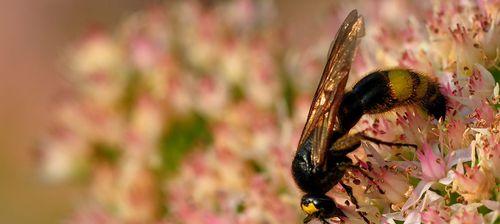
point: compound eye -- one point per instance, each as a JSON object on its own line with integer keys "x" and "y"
{"x": 309, "y": 208}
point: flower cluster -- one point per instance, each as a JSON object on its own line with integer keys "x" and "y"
{"x": 450, "y": 178}
{"x": 191, "y": 112}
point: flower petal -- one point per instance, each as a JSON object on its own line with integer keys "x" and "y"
{"x": 413, "y": 218}
{"x": 448, "y": 179}
{"x": 493, "y": 205}
{"x": 421, "y": 188}
{"x": 458, "y": 156}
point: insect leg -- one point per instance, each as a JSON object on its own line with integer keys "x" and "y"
{"x": 348, "y": 190}
{"x": 380, "y": 142}
{"x": 346, "y": 144}
{"x": 349, "y": 143}
{"x": 308, "y": 219}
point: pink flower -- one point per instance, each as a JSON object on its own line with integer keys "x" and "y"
{"x": 395, "y": 186}
{"x": 433, "y": 166}
{"x": 436, "y": 215}
{"x": 466, "y": 215}
{"x": 454, "y": 135}
{"x": 475, "y": 184}
{"x": 143, "y": 52}
{"x": 487, "y": 148}
{"x": 416, "y": 126}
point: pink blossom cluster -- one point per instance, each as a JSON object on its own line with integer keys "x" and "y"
{"x": 191, "y": 112}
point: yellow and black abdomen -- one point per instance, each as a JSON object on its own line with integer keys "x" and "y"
{"x": 381, "y": 91}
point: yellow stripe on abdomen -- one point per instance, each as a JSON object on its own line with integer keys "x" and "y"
{"x": 401, "y": 84}
{"x": 421, "y": 89}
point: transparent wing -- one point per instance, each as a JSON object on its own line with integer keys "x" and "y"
{"x": 323, "y": 111}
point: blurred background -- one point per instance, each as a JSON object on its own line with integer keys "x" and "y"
{"x": 34, "y": 36}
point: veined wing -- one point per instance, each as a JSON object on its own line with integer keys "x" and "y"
{"x": 323, "y": 112}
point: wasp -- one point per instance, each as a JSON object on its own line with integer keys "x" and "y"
{"x": 321, "y": 160}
